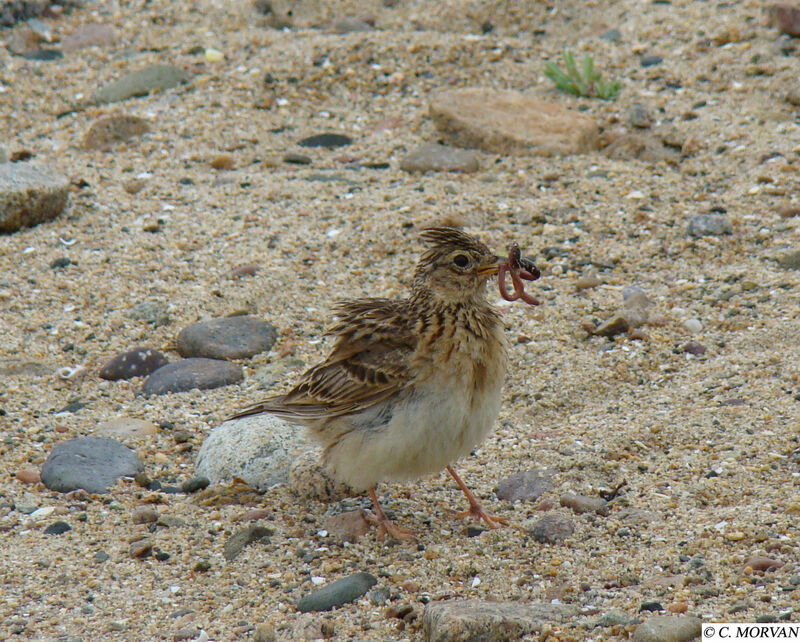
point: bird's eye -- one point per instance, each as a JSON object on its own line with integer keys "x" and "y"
{"x": 461, "y": 260}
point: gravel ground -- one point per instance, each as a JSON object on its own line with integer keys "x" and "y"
{"x": 707, "y": 445}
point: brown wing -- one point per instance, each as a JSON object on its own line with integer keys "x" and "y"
{"x": 368, "y": 363}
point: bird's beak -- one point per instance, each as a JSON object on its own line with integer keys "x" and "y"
{"x": 493, "y": 268}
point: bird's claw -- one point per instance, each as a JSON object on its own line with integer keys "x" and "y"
{"x": 477, "y": 513}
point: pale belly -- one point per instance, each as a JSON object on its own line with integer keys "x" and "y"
{"x": 416, "y": 434}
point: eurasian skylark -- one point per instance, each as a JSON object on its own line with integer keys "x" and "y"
{"x": 411, "y": 385}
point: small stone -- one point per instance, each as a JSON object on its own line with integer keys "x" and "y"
{"x": 379, "y": 596}
{"x": 101, "y": 556}
{"x": 258, "y": 450}
{"x": 587, "y": 281}
{"x": 28, "y": 476}
{"x": 242, "y": 538}
{"x": 347, "y": 526}
{"x": 125, "y": 428}
{"x": 136, "y": 362}
{"x": 57, "y": 528}
{"x": 202, "y": 566}
{"x": 709, "y": 225}
{"x": 88, "y": 35}
{"x": 264, "y": 632}
{"x": 141, "y": 83}
{"x": 91, "y": 463}
{"x": 504, "y": 122}
{"x": 612, "y": 35}
{"x": 693, "y": 325}
{"x": 640, "y": 147}
{"x": 145, "y": 515}
{"x": 30, "y": 193}
{"x": 329, "y": 141}
{"x": 651, "y": 61}
{"x": 440, "y": 158}
{"x": 237, "y": 337}
{"x": 141, "y": 548}
{"x": 462, "y": 620}
{"x": 350, "y": 24}
{"x": 651, "y": 606}
{"x": 526, "y": 486}
{"x": 60, "y": 263}
{"x": 109, "y": 130}
{"x": 190, "y": 374}
{"x": 247, "y": 269}
{"x": 583, "y": 504}
{"x": 195, "y": 484}
{"x": 222, "y": 162}
{"x": 793, "y": 98}
{"x": 551, "y": 529}
{"x": 185, "y": 633}
{"x": 697, "y": 349}
{"x": 296, "y": 159}
{"x": 311, "y": 480}
{"x": 668, "y": 628}
{"x": 762, "y": 563}
{"x": 213, "y": 55}
{"x": 678, "y": 607}
{"x": 338, "y": 593}
{"x": 612, "y": 618}
{"x": 617, "y": 324}
{"x": 152, "y": 312}
{"x": 790, "y": 260}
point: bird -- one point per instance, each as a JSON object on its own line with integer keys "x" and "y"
{"x": 410, "y": 385}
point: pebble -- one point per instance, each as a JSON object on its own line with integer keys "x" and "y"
{"x": 347, "y": 526}
{"x": 30, "y": 193}
{"x": 264, "y": 632}
{"x": 787, "y": 19}
{"x": 246, "y": 269}
{"x": 504, "y": 121}
{"x": 136, "y": 362}
{"x": 351, "y": 24}
{"x": 709, "y": 225}
{"x": 343, "y": 591}
{"x": 258, "y": 449}
{"x": 441, "y": 158}
{"x": 112, "y": 129}
{"x": 28, "y": 476}
{"x": 762, "y": 563}
{"x": 693, "y": 325}
{"x": 329, "y": 141}
{"x": 141, "y": 548}
{"x": 309, "y": 479}
{"x": 551, "y": 529}
{"x": 296, "y": 159}
{"x": 651, "y": 607}
{"x": 195, "y": 484}
{"x": 612, "y": 35}
{"x": 481, "y": 620}
{"x": 638, "y": 117}
{"x": 790, "y": 260}
{"x": 60, "y": 263}
{"x": 188, "y": 374}
{"x": 123, "y": 428}
{"x": 526, "y": 486}
{"x": 612, "y": 618}
{"x": 90, "y": 34}
{"x": 587, "y": 281}
{"x": 237, "y": 337}
{"x": 584, "y": 504}
{"x": 242, "y": 538}
{"x": 90, "y": 463}
{"x": 379, "y": 596}
{"x": 668, "y": 628}
{"x": 640, "y": 147}
{"x": 141, "y": 83}
{"x": 617, "y": 324}
{"x": 145, "y": 515}
{"x": 223, "y": 162}
{"x": 153, "y": 312}
{"x": 57, "y": 528}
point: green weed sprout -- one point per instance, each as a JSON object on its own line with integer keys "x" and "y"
{"x": 586, "y": 82}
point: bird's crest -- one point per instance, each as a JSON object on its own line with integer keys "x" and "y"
{"x": 445, "y": 239}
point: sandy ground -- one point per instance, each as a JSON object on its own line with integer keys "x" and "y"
{"x": 708, "y": 445}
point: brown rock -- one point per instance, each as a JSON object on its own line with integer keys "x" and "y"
{"x": 144, "y": 515}
{"x": 223, "y": 162}
{"x": 528, "y": 485}
{"x": 440, "y": 158}
{"x": 583, "y": 504}
{"x": 762, "y": 563}
{"x": 551, "y": 529}
{"x": 348, "y": 526}
{"x": 509, "y": 122}
{"x": 787, "y": 19}
{"x": 463, "y": 620}
{"x": 613, "y": 326}
{"x": 141, "y": 548}
{"x": 639, "y": 147}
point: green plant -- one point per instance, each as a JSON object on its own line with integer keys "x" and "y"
{"x": 583, "y": 82}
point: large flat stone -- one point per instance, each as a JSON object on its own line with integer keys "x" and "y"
{"x": 91, "y": 463}
{"x": 509, "y": 122}
{"x": 30, "y": 193}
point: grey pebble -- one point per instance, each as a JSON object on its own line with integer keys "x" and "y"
{"x": 343, "y": 591}
{"x": 651, "y": 61}
{"x": 379, "y": 596}
{"x": 667, "y": 628}
{"x": 551, "y": 529}
{"x": 136, "y": 362}
{"x": 296, "y": 159}
{"x": 528, "y": 486}
{"x": 242, "y": 538}
{"x": 91, "y": 463}
{"x": 152, "y": 312}
{"x": 709, "y": 225}
{"x": 195, "y": 484}
{"x": 236, "y": 337}
{"x": 441, "y": 158}
{"x": 188, "y": 374}
{"x": 141, "y": 83}
{"x": 30, "y": 193}
{"x": 57, "y": 528}
{"x": 328, "y": 141}
{"x": 638, "y": 116}
{"x": 790, "y": 260}
{"x": 612, "y": 618}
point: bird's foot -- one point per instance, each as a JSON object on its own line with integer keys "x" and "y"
{"x": 387, "y": 527}
{"x": 477, "y": 513}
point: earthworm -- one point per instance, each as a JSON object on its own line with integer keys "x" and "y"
{"x": 519, "y": 268}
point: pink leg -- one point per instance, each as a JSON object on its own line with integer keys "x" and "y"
{"x": 475, "y": 509}
{"x": 384, "y": 523}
